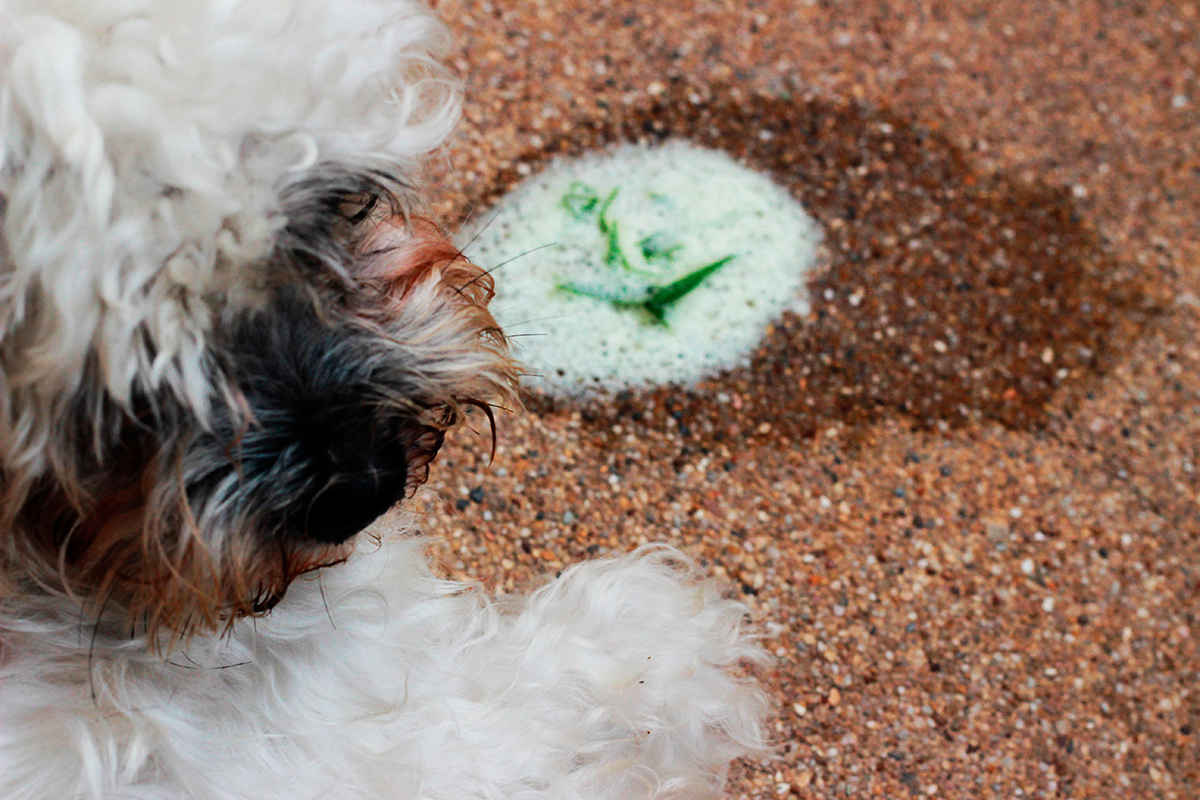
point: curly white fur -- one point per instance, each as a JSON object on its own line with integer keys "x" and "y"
{"x": 376, "y": 680}
{"x": 143, "y": 148}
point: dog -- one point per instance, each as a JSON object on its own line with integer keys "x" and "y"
{"x": 230, "y": 339}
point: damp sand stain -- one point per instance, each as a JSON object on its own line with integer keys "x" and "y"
{"x": 948, "y": 294}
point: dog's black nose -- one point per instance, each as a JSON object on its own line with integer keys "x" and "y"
{"x": 338, "y": 429}
{"x": 347, "y": 506}
{"x": 329, "y": 464}
{"x": 352, "y": 496}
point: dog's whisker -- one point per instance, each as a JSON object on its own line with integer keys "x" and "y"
{"x": 325, "y": 600}
{"x": 535, "y": 320}
{"x": 487, "y": 273}
{"x": 523, "y": 254}
{"x": 478, "y": 233}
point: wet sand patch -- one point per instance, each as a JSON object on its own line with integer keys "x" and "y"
{"x": 948, "y": 294}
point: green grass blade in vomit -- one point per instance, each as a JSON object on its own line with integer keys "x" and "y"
{"x": 602, "y": 216}
{"x": 657, "y": 315}
{"x": 676, "y": 290}
{"x": 659, "y": 246}
{"x": 613, "y": 256}
{"x": 616, "y": 300}
{"x": 580, "y": 200}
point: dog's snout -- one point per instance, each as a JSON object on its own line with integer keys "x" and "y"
{"x": 350, "y": 496}
{"x": 347, "y": 467}
{"x": 347, "y": 505}
{"x": 337, "y": 428}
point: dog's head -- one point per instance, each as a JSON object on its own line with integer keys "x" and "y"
{"x": 228, "y": 338}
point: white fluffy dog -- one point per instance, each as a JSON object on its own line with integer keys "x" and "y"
{"x": 228, "y": 342}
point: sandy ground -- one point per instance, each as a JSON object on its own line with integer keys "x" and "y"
{"x": 960, "y": 496}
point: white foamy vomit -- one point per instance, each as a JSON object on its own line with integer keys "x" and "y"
{"x": 643, "y": 265}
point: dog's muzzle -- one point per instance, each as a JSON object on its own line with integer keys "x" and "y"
{"x": 340, "y": 426}
{"x": 335, "y": 373}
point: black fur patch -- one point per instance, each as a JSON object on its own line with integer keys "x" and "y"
{"x": 333, "y": 438}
